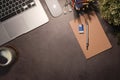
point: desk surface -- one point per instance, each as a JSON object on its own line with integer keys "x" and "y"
{"x": 51, "y": 52}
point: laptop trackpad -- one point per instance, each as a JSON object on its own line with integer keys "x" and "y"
{"x": 3, "y": 35}
{"x": 15, "y": 27}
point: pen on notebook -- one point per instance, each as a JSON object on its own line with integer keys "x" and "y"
{"x": 87, "y": 36}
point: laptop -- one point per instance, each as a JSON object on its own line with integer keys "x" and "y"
{"x": 18, "y": 17}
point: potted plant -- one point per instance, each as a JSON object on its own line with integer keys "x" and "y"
{"x": 110, "y": 11}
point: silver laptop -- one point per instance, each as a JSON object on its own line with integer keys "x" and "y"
{"x": 18, "y": 17}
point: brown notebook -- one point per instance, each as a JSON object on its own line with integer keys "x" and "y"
{"x": 98, "y": 41}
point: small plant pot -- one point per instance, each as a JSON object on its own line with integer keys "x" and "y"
{"x": 7, "y": 56}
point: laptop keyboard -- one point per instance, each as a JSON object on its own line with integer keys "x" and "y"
{"x": 10, "y": 8}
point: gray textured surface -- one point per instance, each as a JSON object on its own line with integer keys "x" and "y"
{"x": 51, "y": 52}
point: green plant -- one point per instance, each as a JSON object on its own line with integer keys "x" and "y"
{"x": 110, "y": 11}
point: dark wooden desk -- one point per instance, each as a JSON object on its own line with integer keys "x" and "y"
{"x": 51, "y": 52}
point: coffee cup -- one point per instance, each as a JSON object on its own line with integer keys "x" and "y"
{"x": 7, "y": 56}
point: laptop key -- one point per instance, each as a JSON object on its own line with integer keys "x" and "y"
{"x": 0, "y": 7}
{"x": 10, "y": 11}
{"x": 18, "y": 11}
{"x": 6, "y": 13}
{"x": 0, "y": 3}
{"x": 8, "y": 16}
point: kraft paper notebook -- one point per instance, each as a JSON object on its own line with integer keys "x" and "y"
{"x": 98, "y": 41}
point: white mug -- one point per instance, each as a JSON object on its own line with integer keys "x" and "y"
{"x": 7, "y": 56}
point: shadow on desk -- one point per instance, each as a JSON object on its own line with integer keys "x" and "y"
{"x": 4, "y": 70}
